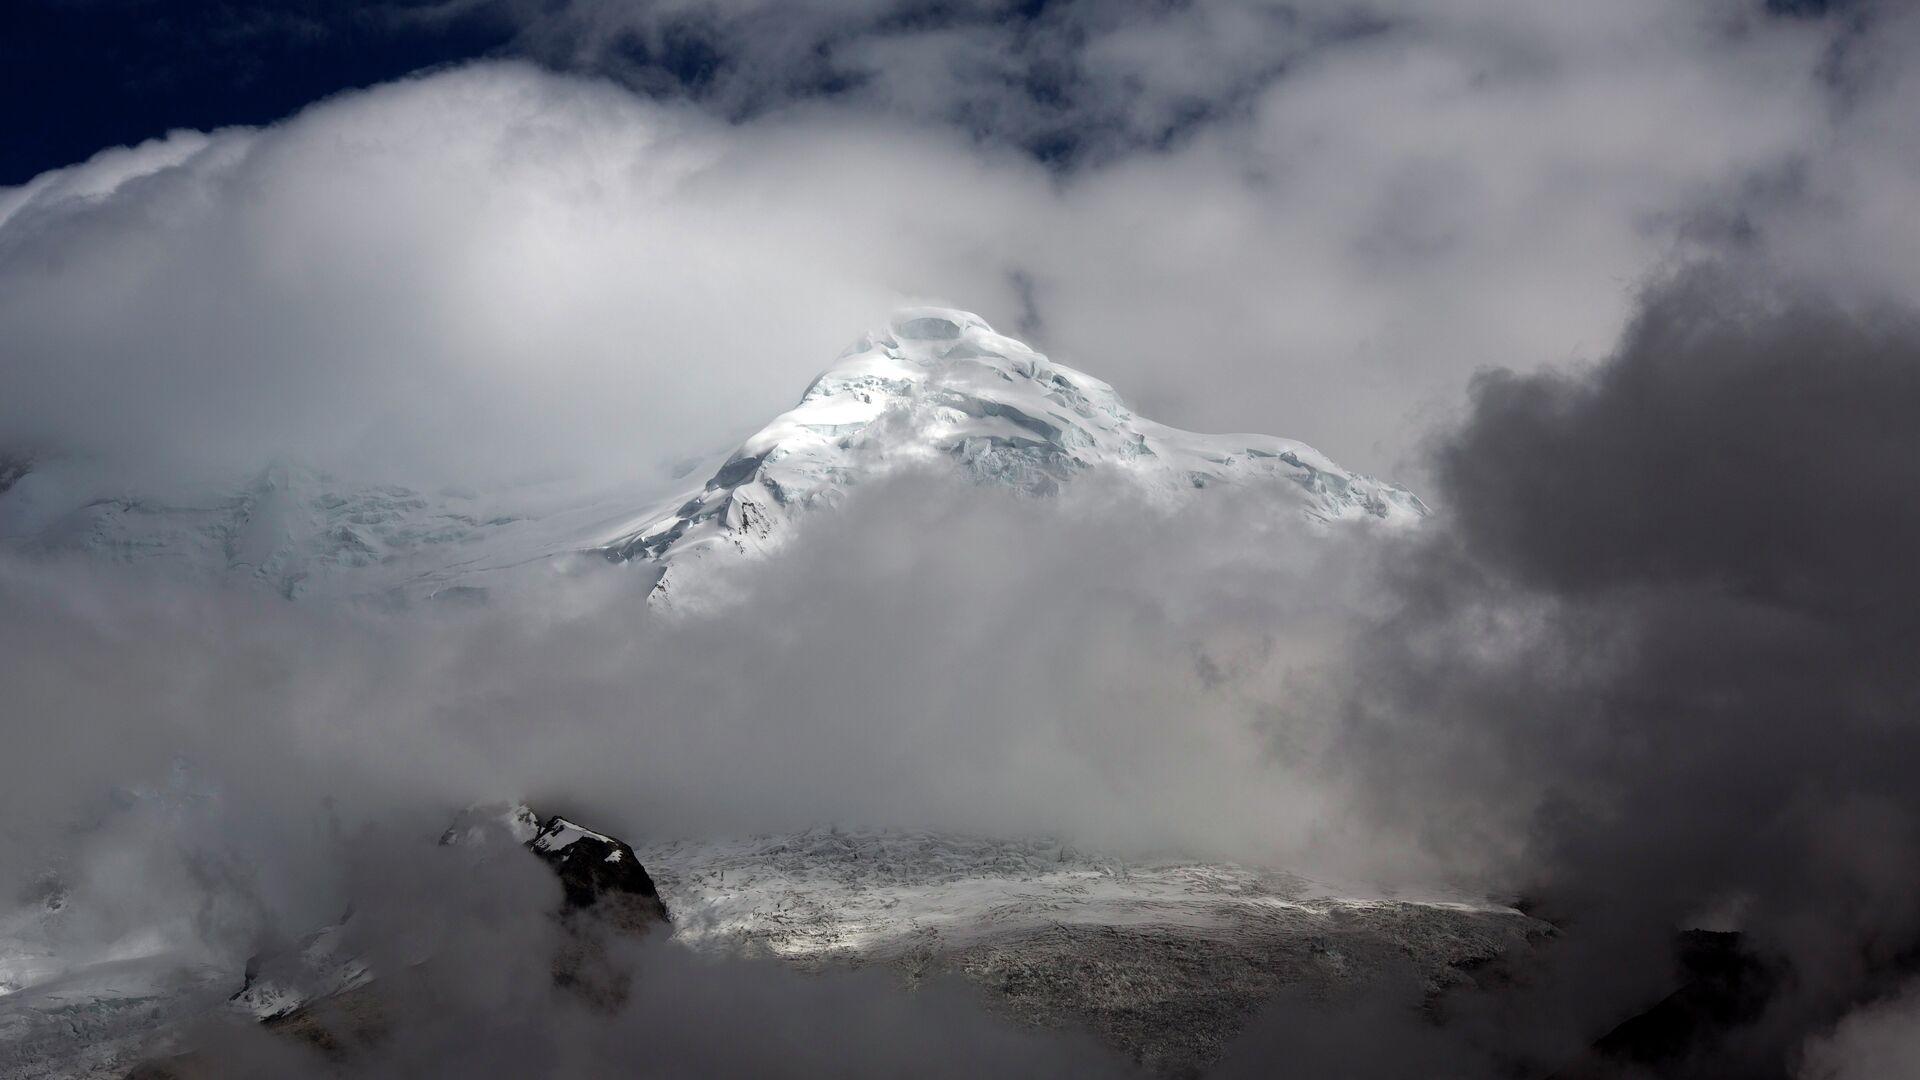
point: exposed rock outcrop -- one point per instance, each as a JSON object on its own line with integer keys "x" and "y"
{"x": 600, "y": 874}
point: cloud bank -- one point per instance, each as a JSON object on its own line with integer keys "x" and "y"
{"x": 1649, "y": 669}
{"x": 211, "y": 772}
{"x": 1653, "y": 674}
{"x": 492, "y": 269}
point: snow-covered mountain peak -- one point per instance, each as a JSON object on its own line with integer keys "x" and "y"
{"x": 932, "y": 388}
{"x": 938, "y": 385}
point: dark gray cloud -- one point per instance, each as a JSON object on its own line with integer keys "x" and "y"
{"x": 1378, "y": 1031}
{"x": 1654, "y": 672}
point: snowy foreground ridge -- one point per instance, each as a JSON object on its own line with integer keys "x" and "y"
{"x": 933, "y": 388}
{"x": 939, "y": 386}
{"x": 1164, "y": 959}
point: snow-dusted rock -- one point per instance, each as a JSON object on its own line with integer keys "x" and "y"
{"x": 600, "y": 874}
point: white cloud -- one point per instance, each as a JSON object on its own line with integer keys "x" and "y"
{"x": 1878, "y": 1041}
{"x": 492, "y": 269}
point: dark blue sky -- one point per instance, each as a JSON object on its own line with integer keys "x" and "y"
{"x": 80, "y": 75}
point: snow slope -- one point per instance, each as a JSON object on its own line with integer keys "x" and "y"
{"x": 830, "y": 893}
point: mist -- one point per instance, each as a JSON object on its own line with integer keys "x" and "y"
{"x": 934, "y": 655}
{"x": 1625, "y": 295}
{"x": 1643, "y": 672}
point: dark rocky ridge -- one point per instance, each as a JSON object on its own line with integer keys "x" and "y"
{"x": 600, "y": 874}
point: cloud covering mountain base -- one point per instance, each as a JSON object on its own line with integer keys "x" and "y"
{"x": 1646, "y": 668}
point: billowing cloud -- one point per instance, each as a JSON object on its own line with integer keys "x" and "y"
{"x": 1882, "y": 1039}
{"x": 933, "y": 654}
{"x": 211, "y": 772}
{"x": 492, "y": 269}
{"x": 1648, "y": 667}
{"x": 1652, "y": 671}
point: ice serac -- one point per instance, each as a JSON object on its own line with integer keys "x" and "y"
{"x": 940, "y": 386}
